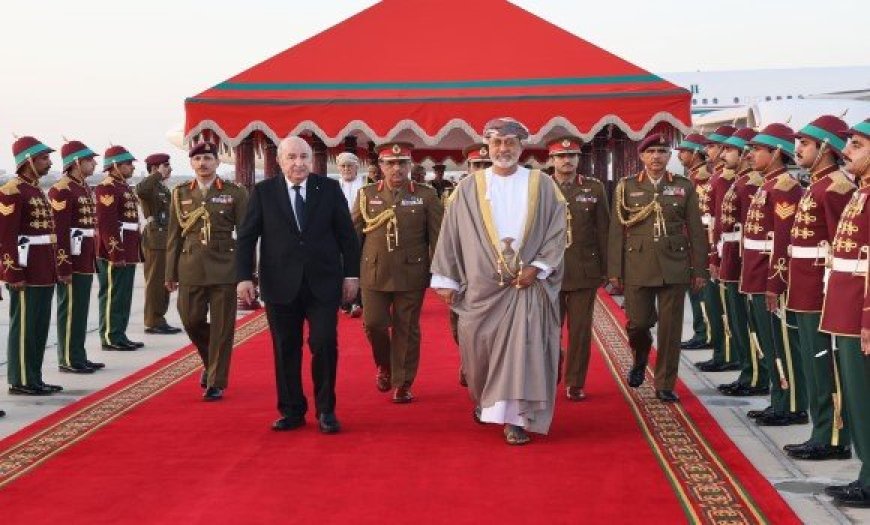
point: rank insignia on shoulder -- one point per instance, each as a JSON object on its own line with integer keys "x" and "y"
{"x": 107, "y": 200}
{"x": 784, "y": 210}
{"x": 674, "y": 191}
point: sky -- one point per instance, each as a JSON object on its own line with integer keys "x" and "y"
{"x": 105, "y": 71}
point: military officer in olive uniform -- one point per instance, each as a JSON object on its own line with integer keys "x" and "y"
{"x": 585, "y": 256}
{"x": 657, "y": 247}
{"x": 201, "y": 263}
{"x": 118, "y": 249}
{"x": 819, "y": 150}
{"x": 847, "y": 288}
{"x": 766, "y": 236}
{"x": 399, "y": 220}
{"x": 753, "y": 379}
{"x": 29, "y": 265}
{"x": 154, "y": 198}
{"x": 72, "y": 203}
{"x": 443, "y": 187}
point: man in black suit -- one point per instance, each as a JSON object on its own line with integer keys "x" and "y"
{"x": 309, "y": 264}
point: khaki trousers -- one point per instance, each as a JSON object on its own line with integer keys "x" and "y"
{"x": 208, "y": 314}
{"x": 640, "y": 306}
{"x": 577, "y": 306}
{"x": 392, "y": 325}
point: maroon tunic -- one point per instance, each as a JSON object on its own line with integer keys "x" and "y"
{"x": 116, "y": 206}
{"x": 25, "y": 212}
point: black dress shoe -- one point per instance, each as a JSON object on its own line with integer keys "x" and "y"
{"x": 76, "y": 369}
{"x": 782, "y": 420}
{"x": 2, "y": 413}
{"x": 134, "y": 344}
{"x": 213, "y": 393}
{"x": 712, "y": 366}
{"x": 798, "y": 446}
{"x": 51, "y": 388}
{"x": 120, "y": 347}
{"x": 636, "y": 375}
{"x": 728, "y": 386}
{"x": 21, "y": 390}
{"x": 754, "y": 414}
{"x": 746, "y": 391}
{"x": 854, "y": 497}
{"x": 835, "y": 490}
{"x": 694, "y": 344}
{"x": 822, "y": 453}
{"x": 329, "y": 424}
{"x": 288, "y": 423}
{"x": 164, "y": 329}
{"x": 95, "y": 366}
{"x": 667, "y": 396}
{"x": 203, "y": 376}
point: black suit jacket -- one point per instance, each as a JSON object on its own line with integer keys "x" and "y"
{"x": 323, "y": 254}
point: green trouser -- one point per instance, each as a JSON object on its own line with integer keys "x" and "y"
{"x": 29, "y": 320}
{"x": 73, "y": 301}
{"x": 783, "y": 360}
{"x": 855, "y": 372}
{"x": 716, "y": 333}
{"x": 753, "y": 370}
{"x": 116, "y": 297}
{"x": 821, "y": 381}
{"x": 699, "y": 323}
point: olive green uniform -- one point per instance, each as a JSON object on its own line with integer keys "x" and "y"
{"x": 201, "y": 258}
{"x": 154, "y": 198}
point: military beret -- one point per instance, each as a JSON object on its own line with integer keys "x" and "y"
{"x": 565, "y": 145}
{"x": 394, "y": 151}
{"x": 861, "y": 128}
{"x": 477, "y": 152}
{"x": 115, "y": 155}
{"x": 776, "y": 136}
{"x": 720, "y": 134}
{"x": 692, "y": 142}
{"x": 827, "y": 129}
{"x": 656, "y": 139}
{"x": 203, "y": 148}
{"x": 740, "y": 139}
{"x": 73, "y": 151}
{"x": 505, "y": 127}
{"x": 26, "y": 148}
{"x": 156, "y": 158}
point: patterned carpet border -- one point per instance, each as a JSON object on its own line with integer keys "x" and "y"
{"x": 27, "y": 454}
{"x": 707, "y": 490}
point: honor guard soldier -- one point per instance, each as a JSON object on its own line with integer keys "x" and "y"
{"x": 29, "y": 265}
{"x": 657, "y": 248}
{"x": 754, "y": 378}
{"x": 766, "y": 235}
{"x": 154, "y": 197}
{"x": 201, "y": 263}
{"x": 691, "y": 154}
{"x": 72, "y": 203}
{"x": 399, "y": 220}
{"x": 718, "y": 334}
{"x": 819, "y": 150}
{"x": 846, "y": 288}
{"x": 117, "y": 249}
{"x": 585, "y": 256}
{"x": 443, "y": 187}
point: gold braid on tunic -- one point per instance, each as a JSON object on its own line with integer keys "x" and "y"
{"x": 386, "y": 217}
{"x": 189, "y": 222}
{"x": 635, "y": 216}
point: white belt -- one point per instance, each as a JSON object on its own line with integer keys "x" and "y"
{"x": 130, "y": 226}
{"x": 38, "y": 239}
{"x": 706, "y": 219}
{"x": 758, "y": 245}
{"x": 854, "y": 266}
{"x": 732, "y": 236}
{"x": 77, "y": 237}
{"x": 808, "y": 252}
{"x": 83, "y": 232}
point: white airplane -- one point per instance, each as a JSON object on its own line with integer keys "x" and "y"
{"x": 750, "y": 97}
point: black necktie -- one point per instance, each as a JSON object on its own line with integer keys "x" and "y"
{"x": 299, "y": 203}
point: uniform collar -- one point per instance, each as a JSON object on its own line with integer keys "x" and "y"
{"x": 668, "y": 177}
{"x": 775, "y": 173}
{"x": 827, "y": 170}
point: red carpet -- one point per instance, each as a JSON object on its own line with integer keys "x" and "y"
{"x": 173, "y": 459}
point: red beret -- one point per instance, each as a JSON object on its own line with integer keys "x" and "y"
{"x": 203, "y": 148}
{"x": 156, "y": 159}
{"x": 656, "y": 139}
{"x": 395, "y": 151}
{"x": 568, "y": 144}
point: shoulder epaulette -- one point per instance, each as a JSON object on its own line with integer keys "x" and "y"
{"x": 108, "y": 181}
{"x": 754, "y": 179}
{"x": 677, "y": 176}
{"x": 10, "y": 188}
{"x": 180, "y": 184}
{"x": 62, "y": 184}
{"x": 593, "y": 180}
{"x": 702, "y": 174}
{"x": 728, "y": 174}
{"x": 840, "y": 183}
{"x": 785, "y": 182}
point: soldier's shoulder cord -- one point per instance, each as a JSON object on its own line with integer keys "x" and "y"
{"x": 627, "y": 216}
{"x": 188, "y": 222}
